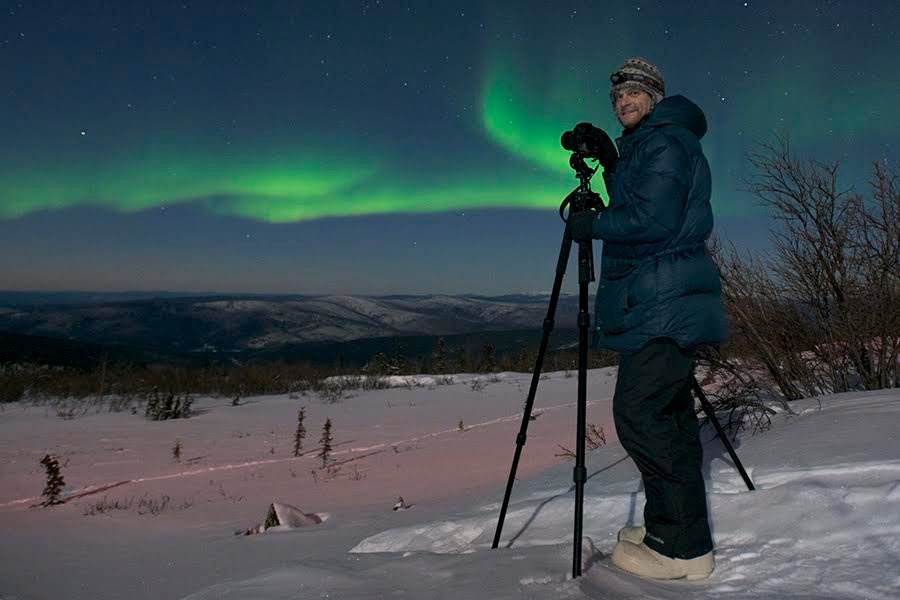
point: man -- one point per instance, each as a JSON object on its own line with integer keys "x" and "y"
{"x": 659, "y": 297}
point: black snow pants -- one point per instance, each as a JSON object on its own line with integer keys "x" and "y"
{"x": 656, "y": 424}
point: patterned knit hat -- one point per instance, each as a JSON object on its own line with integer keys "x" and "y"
{"x": 640, "y": 73}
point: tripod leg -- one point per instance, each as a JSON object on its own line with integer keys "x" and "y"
{"x": 564, "y": 252}
{"x": 711, "y": 415}
{"x": 579, "y": 475}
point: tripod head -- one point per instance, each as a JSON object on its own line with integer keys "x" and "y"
{"x": 585, "y": 142}
{"x": 582, "y": 197}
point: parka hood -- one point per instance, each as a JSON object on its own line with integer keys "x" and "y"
{"x": 676, "y": 110}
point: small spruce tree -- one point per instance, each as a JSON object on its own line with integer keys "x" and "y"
{"x": 465, "y": 361}
{"x": 441, "y": 356}
{"x": 524, "y": 361}
{"x": 325, "y": 443}
{"x": 55, "y": 482}
{"x": 167, "y": 407}
{"x": 186, "y": 407}
{"x": 152, "y": 404}
{"x": 381, "y": 364}
{"x": 487, "y": 358}
{"x": 300, "y": 433}
{"x": 401, "y": 365}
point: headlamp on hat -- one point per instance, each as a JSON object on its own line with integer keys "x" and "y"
{"x": 620, "y": 77}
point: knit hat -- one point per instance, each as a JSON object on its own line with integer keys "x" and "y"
{"x": 640, "y": 73}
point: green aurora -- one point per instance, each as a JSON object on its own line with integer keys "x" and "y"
{"x": 523, "y": 111}
{"x": 287, "y": 188}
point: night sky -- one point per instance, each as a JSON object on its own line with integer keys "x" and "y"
{"x": 388, "y": 147}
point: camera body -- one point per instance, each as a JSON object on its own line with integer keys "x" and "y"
{"x": 585, "y": 140}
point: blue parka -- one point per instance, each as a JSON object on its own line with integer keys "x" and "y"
{"x": 657, "y": 278}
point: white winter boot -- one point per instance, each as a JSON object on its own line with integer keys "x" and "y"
{"x": 647, "y": 562}
{"x": 635, "y": 535}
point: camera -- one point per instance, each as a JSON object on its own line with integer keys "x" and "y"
{"x": 584, "y": 139}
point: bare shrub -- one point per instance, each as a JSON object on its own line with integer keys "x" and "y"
{"x": 69, "y": 409}
{"x": 374, "y": 383}
{"x": 594, "y": 437}
{"x": 153, "y": 506}
{"x": 225, "y": 495}
{"x": 355, "y": 474}
{"x": 104, "y": 506}
{"x": 733, "y": 387}
{"x": 330, "y": 391}
{"x": 821, "y": 312}
{"x": 117, "y": 387}
{"x": 144, "y": 505}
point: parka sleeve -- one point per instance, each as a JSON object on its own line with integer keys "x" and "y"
{"x": 651, "y": 209}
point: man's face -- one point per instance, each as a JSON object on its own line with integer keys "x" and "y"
{"x": 632, "y": 105}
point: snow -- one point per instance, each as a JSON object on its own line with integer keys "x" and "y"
{"x": 823, "y": 523}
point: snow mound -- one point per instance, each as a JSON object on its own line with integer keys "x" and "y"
{"x": 446, "y": 537}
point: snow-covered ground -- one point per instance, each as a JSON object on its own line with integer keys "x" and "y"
{"x": 823, "y": 523}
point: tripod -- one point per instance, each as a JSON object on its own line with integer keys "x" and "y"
{"x": 581, "y": 199}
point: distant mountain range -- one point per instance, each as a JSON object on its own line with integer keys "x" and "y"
{"x": 276, "y": 327}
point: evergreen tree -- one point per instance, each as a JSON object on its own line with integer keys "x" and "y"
{"x": 55, "y": 482}
{"x": 186, "y": 407}
{"x": 525, "y": 362}
{"x": 441, "y": 356}
{"x": 325, "y": 443}
{"x": 487, "y": 358}
{"x": 300, "y": 433}
{"x": 401, "y": 366}
{"x": 173, "y": 407}
{"x": 464, "y": 361}
{"x": 152, "y": 404}
{"x": 380, "y": 362}
{"x": 167, "y": 407}
{"x": 422, "y": 365}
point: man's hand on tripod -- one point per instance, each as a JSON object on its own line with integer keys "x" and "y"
{"x": 581, "y": 225}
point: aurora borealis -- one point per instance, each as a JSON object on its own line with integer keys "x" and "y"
{"x": 386, "y": 147}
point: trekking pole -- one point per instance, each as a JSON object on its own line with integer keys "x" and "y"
{"x": 711, "y": 415}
